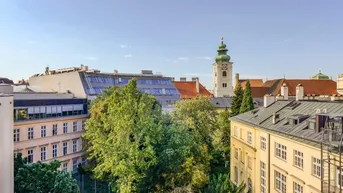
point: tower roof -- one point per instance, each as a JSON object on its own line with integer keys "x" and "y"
{"x": 222, "y": 53}
{"x": 320, "y": 76}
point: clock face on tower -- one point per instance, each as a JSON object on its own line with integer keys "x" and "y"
{"x": 224, "y": 67}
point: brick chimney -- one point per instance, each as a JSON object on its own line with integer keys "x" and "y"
{"x": 183, "y": 79}
{"x": 299, "y": 94}
{"x": 284, "y": 91}
{"x": 236, "y": 79}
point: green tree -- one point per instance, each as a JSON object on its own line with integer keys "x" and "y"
{"x": 247, "y": 103}
{"x": 124, "y": 127}
{"x": 220, "y": 183}
{"x": 44, "y": 178}
{"x": 200, "y": 117}
{"x": 237, "y": 100}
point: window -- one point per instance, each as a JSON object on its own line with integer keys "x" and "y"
{"x": 54, "y": 150}
{"x": 30, "y": 133}
{"x": 263, "y": 177}
{"x": 312, "y": 125}
{"x": 280, "y": 151}
{"x": 241, "y": 133}
{"x": 65, "y": 127}
{"x": 43, "y": 131}
{"x": 297, "y": 188}
{"x": 249, "y": 186}
{"x": 74, "y": 126}
{"x": 249, "y": 162}
{"x": 249, "y": 137}
{"x": 224, "y": 85}
{"x": 236, "y": 131}
{"x": 236, "y": 175}
{"x": 280, "y": 182}
{"x": 224, "y": 73}
{"x": 43, "y": 153}
{"x": 316, "y": 167}
{"x": 74, "y": 165}
{"x": 242, "y": 156}
{"x": 65, "y": 148}
{"x": 75, "y": 145}
{"x": 298, "y": 159}
{"x": 54, "y": 129}
{"x": 65, "y": 166}
{"x": 236, "y": 153}
{"x": 16, "y": 135}
{"x": 83, "y": 124}
{"x": 30, "y": 156}
{"x": 263, "y": 143}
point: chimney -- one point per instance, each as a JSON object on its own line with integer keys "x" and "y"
{"x": 194, "y": 79}
{"x": 197, "y": 84}
{"x": 299, "y": 94}
{"x": 172, "y": 78}
{"x": 236, "y": 79}
{"x": 268, "y": 100}
{"x": 284, "y": 91}
{"x": 183, "y": 79}
{"x": 275, "y": 118}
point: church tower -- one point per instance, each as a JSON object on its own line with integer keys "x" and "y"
{"x": 222, "y": 73}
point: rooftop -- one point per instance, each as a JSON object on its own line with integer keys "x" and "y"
{"x": 188, "y": 89}
{"x": 263, "y": 117}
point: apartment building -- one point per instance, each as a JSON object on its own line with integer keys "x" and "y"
{"x": 6, "y": 143}
{"x": 47, "y": 125}
{"x": 289, "y": 146}
{"x": 88, "y": 83}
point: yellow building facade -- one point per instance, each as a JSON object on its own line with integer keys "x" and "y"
{"x": 270, "y": 160}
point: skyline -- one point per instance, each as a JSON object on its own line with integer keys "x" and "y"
{"x": 265, "y": 40}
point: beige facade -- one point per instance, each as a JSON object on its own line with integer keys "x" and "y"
{"x": 340, "y": 84}
{"x": 6, "y": 144}
{"x": 49, "y": 139}
{"x": 222, "y": 80}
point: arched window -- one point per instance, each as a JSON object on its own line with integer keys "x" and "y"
{"x": 224, "y": 73}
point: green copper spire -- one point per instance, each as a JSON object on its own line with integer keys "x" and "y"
{"x": 222, "y": 53}
{"x": 320, "y": 76}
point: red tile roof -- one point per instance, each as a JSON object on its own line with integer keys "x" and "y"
{"x": 317, "y": 87}
{"x": 187, "y": 89}
{"x": 259, "y": 92}
{"x": 253, "y": 82}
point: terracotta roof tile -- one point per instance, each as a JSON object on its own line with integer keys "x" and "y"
{"x": 317, "y": 87}
{"x": 187, "y": 89}
{"x": 253, "y": 82}
{"x": 259, "y": 92}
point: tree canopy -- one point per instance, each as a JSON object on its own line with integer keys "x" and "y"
{"x": 237, "y": 100}
{"x": 39, "y": 177}
{"x": 247, "y": 103}
{"x": 139, "y": 149}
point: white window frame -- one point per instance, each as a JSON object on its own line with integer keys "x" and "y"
{"x": 249, "y": 137}
{"x": 65, "y": 148}
{"x": 280, "y": 151}
{"x": 30, "y": 133}
{"x": 65, "y": 127}
{"x": 83, "y": 124}
{"x": 75, "y": 126}
{"x": 55, "y": 150}
{"x": 280, "y": 182}
{"x": 54, "y": 129}
{"x": 263, "y": 143}
{"x": 43, "y": 153}
{"x": 30, "y": 153}
{"x": 298, "y": 159}
{"x": 236, "y": 174}
{"x": 339, "y": 177}
{"x": 43, "y": 131}
{"x": 263, "y": 177}
{"x": 16, "y": 135}
{"x": 236, "y": 131}
{"x": 65, "y": 166}
{"x": 316, "y": 167}
{"x": 75, "y": 145}
{"x": 75, "y": 164}
{"x": 297, "y": 188}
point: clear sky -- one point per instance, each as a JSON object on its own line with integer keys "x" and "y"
{"x": 266, "y": 38}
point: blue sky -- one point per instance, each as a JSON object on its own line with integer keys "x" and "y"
{"x": 266, "y": 39}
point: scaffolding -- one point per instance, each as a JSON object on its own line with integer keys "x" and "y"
{"x": 331, "y": 154}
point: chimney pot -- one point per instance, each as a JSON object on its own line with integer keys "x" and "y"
{"x": 183, "y": 79}
{"x": 268, "y": 100}
{"x": 299, "y": 92}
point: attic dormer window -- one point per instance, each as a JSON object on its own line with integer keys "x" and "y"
{"x": 312, "y": 125}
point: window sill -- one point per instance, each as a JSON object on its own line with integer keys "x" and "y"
{"x": 319, "y": 177}
{"x": 285, "y": 160}
{"x": 300, "y": 168}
